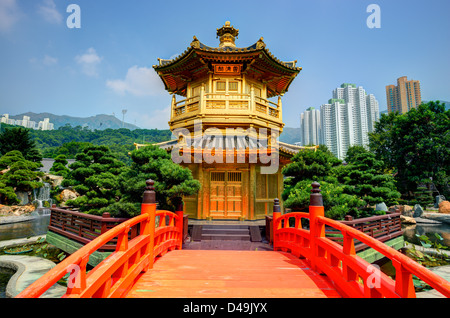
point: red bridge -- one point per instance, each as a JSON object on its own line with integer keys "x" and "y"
{"x": 304, "y": 263}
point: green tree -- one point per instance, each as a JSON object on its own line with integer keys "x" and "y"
{"x": 364, "y": 178}
{"x": 416, "y": 145}
{"x": 19, "y": 175}
{"x": 95, "y": 176}
{"x": 172, "y": 181}
{"x": 19, "y": 138}
{"x": 322, "y": 166}
{"x": 59, "y": 166}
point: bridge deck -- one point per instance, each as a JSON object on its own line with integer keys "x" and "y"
{"x": 231, "y": 274}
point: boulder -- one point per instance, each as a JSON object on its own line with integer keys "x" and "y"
{"x": 16, "y": 210}
{"x": 55, "y": 181}
{"x": 23, "y": 197}
{"x": 381, "y": 207}
{"x": 444, "y": 207}
{"x": 67, "y": 195}
{"x": 23, "y": 209}
{"x": 5, "y": 210}
{"x": 418, "y": 211}
{"x": 439, "y": 199}
{"x": 406, "y": 210}
{"x": 407, "y": 219}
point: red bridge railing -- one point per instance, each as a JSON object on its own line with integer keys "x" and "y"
{"x": 159, "y": 232}
{"x": 352, "y": 276}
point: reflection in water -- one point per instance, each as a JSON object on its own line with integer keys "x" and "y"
{"x": 428, "y": 230}
{"x": 5, "y": 276}
{"x": 35, "y": 227}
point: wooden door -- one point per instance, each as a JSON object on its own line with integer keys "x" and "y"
{"x": 226, "y": 195}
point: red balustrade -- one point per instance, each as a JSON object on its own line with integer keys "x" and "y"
{"x": 352, "y": 275}
{"x": 117, "y": 273}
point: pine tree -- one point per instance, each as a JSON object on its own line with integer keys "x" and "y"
{"x": 20, "y": 175}
{"x": 59, "y": 166}
{"x": 365, "y": 179}
{"x": 19, "y": 138}
{"x": 95, "y": 176}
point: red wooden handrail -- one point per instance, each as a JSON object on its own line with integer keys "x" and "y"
{"x": 352, "y": 275}
{"x": 115, "y": 275}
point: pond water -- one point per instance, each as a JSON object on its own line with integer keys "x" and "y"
{"x": 35, "y": 227}
{"x": 5, "y": 276}
{"x": 426, "y": 229}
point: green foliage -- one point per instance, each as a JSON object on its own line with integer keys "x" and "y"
{"x": 105, "y": 184}
{"x": 423, "y": 196}
{"x": 69, "y": 140}
{"x": 59, "y": 166}
{"x": 172, "y": 181}
{"x": 95, "y": 176}
{"x": 346, "y": 189}
{"x": 337, "y": 204}
{"x": 416, "y": 146}
{"x": 20, "y": 175}
{"x": 365, "y": 179}
{"x": 19, "y": 138}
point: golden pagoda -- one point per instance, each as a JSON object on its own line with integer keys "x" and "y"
{"x": 226, "y": 126}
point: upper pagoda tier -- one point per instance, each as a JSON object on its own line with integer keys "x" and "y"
{"x": 200, "y": 60}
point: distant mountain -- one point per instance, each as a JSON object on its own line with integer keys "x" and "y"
{"x": 291, "y": 135}
{"x": 99, "y": 122}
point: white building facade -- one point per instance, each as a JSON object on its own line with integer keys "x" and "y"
{"x": 348, "y": 118}
{"x": 311, "y": 128}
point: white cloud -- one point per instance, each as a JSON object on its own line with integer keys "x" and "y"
{"x": 46, "y": 61}
{"x": 89, "y": 62}
{"x": 139, "y": 81}
{"x": 9, "y": 14}
{"x": 49, "y": 12}
{"x": 159, "y": 118}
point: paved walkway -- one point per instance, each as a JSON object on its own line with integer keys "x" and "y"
{"x": 231, "y": 274}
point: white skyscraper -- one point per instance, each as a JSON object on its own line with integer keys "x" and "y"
{"x": 45, "y": 124}
{"x": 338, "y": 128}
{"x": 373, "y": 111}
{"x": 348, "y": 118}
{"x": 310, "y": 127}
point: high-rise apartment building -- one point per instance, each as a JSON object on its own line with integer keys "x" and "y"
{"x": 348, "y": 118}
{"x": 338, "y": 133}
{"x": 310, "y": 127}
{"x": 45, "y": 124}
{"x": 403, "y": 97}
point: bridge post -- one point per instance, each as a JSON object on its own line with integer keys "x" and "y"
{"x": 317, "y": 230}
{"x": 148, "y": 207}
{"x": 275, "y": 226}
{"x": 179, "y": 223}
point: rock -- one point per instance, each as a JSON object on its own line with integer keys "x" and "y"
{"x": 67, "y": 195}
{"x": 5, "y": 210}
{"x": 444, "y": 207}
{"x": 381, "y": 207}
{"x": 55, "y": 181}
{"x": 439, "y": 199}
{"x": 406, "y": 210}
{"x": 16, "y": 210}
{"x": 407, "y": 219}
{"x": 418, "y": 211}
{"x": 23, "y": 197}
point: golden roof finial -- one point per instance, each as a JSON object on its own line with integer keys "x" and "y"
{"x": 227, "y": 34}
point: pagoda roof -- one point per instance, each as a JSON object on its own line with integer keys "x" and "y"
{"x": 196, "y": 62}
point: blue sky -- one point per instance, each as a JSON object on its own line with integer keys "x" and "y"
{"x": 106, "y": 65}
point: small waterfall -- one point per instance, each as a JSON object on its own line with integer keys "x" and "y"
{"x": 41, "y": 197}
